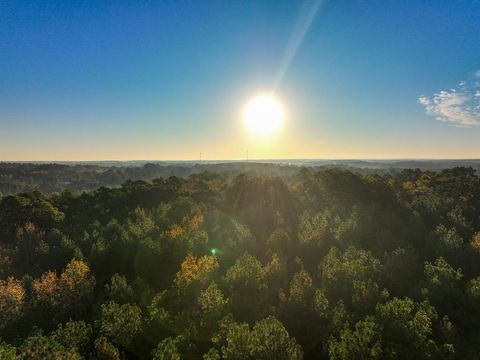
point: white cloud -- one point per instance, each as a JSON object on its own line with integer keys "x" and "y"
{"x": 459, "y": 106}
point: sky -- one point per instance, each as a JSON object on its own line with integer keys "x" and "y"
{"x": 168, "y": 80}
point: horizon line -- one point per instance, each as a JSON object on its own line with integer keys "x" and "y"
{"x": 245, "y": 160}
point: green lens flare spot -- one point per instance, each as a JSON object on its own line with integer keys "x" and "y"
{"x": 213, "y": 251}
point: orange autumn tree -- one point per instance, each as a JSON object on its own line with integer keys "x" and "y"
{"x": 195, "y": 274}
{"x": 475, "y": 243}
{"x": 189, "y": 224}
{"x": 76, "y": 284}
{"x": 70, "y": 291}
{"x": 12, "y": 298}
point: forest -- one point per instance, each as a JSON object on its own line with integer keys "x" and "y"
{"x": 50, "y": 178}
{"x": 322, "y": 264}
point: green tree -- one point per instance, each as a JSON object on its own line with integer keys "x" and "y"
{"x": 267, "y": 340}
{"x": 304, "y": 310}
{"x": 7, "y": 352}
{"x": 363, "y": 343}
{"x": 120, "y": 323}
{"x": 73, "y": 334}
{"x": 399, "y": 329}
{"x": 43, "y": 348}
{"x": 352, "y": 277}
{"x": 119, "y": 290}
{"x": 104, "y": 350}
{"x": 246, "y": 283}
{"x": 168, "y": 349}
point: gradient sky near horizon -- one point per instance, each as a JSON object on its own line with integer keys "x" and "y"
{"x": 124, "y": 80}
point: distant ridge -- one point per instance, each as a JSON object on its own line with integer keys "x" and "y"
{"x": 361, "y": 163}
{"x": 79, "y": 176}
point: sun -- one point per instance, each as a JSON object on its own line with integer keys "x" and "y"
{"x": 263, "y": 115}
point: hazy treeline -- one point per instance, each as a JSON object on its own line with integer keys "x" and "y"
{"x": 77, "y": 177}
{"x": 54, "y": 178}
{"x": 327, "y": 265}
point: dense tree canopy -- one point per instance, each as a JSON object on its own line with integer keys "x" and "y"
{"x": 326, "y": 264}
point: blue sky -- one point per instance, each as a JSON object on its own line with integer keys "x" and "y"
{"x": 89, "y": 80}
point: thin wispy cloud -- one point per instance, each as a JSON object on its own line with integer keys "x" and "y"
{"x": 459, "y": 106}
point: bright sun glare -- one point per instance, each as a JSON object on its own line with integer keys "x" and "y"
{"x": 263, "y": 115}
